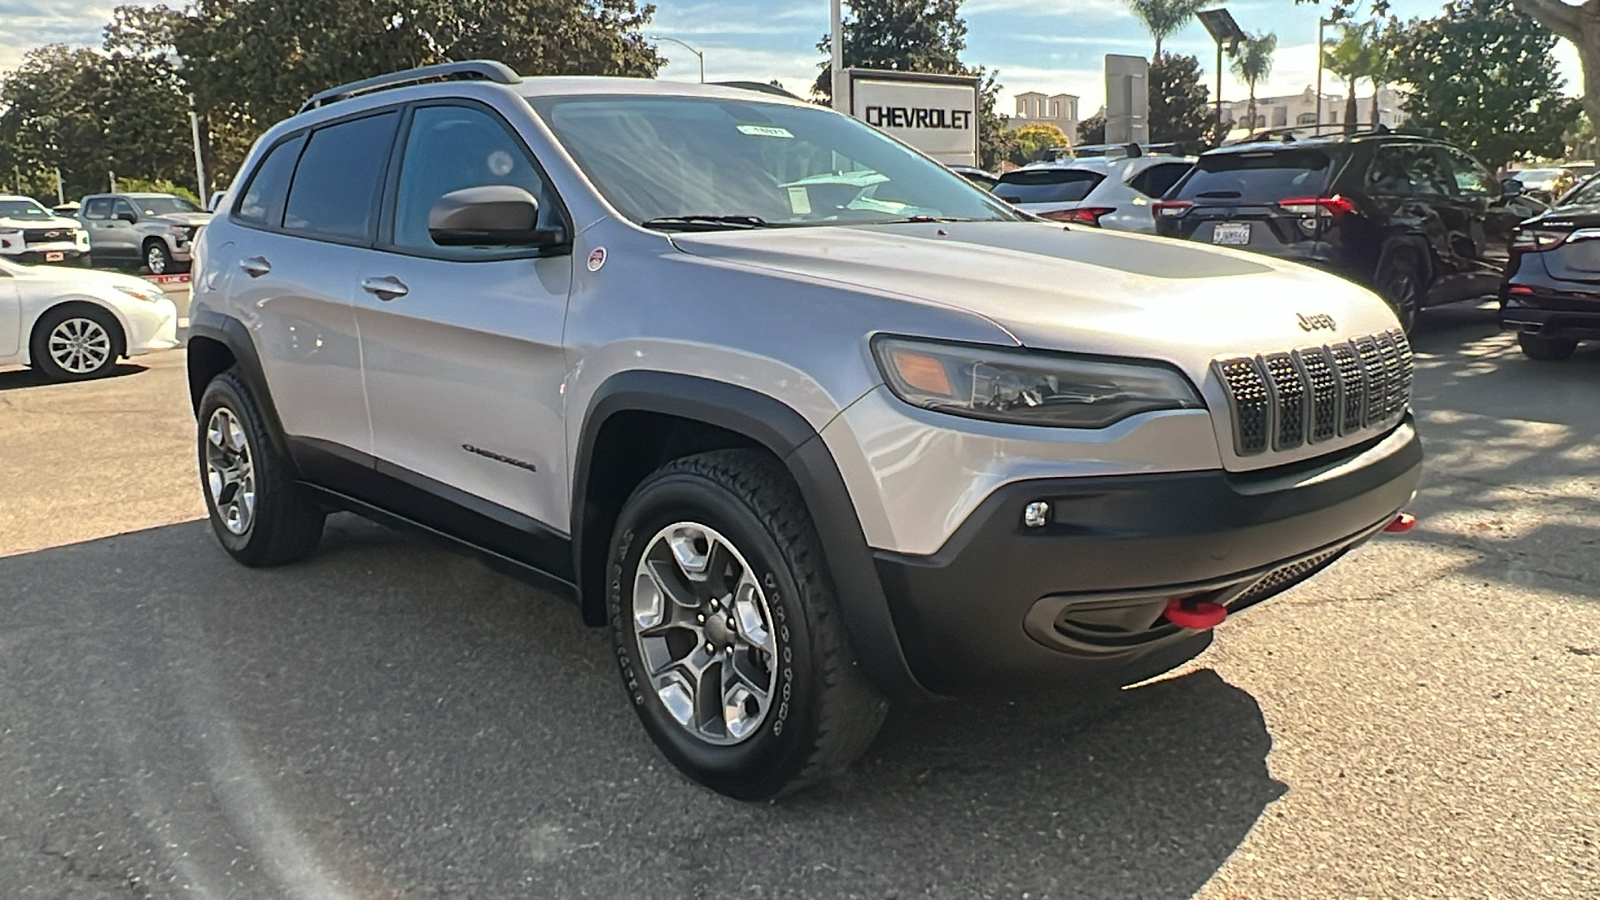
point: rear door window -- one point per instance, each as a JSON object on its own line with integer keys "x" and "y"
{"x": 1264, "y": 176}
{"x": 1047, "y": 185}
{"x": 335, "y": 189}
{"x": 1158, "y": 179}
{"x": 1408, "y": 170}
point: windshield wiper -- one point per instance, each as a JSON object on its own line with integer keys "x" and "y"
{"x": 706, "y": 223}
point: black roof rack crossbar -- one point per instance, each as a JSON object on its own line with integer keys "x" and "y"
{"x": 473, "y": 70}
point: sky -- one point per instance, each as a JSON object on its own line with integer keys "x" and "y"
{"x": 1052, "y": 46}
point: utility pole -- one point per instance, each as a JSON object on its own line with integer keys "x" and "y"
{"x": 61, "y": 189}
{"x": 113, "y": 181}
{"x": 200, "y": 160}
{"x": 1321, "y": 49}
{"x": 838, "y": 56}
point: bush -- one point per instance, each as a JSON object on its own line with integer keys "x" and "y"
{"x": 145, "y": 186}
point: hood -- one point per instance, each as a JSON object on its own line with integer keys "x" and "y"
{"x": 181, "y": 218}
{"x": 1073, "y": 289}
{"x": 54, "y": 223}
{"x": 65, "y": 279}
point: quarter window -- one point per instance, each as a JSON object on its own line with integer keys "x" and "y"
{"x": 262, "y": 203}
{"x": 335, "y": 188}
{"x": 451, "y": 148}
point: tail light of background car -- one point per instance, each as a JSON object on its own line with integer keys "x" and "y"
{"x": 1171, "y": 209}
{"x": 1534, "y": 240}
{"x": 1333, "y": 207}
{"x": 1083, "y": 215}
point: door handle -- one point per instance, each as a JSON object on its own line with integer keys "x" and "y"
{"x": 386, "y": 288}
{"x": 255, "y": 266}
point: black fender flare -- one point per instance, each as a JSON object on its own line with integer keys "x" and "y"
{"x": 232, "y": 333}
{"x": 783, "y": 431}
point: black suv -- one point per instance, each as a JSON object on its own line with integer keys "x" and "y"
{"x": 1551, "y": 294}
{"x": 1419, "y": 220}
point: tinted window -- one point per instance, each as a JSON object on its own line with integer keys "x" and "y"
{"x": 1157, "y": 180}
{"x": 335, "y": 189}
{"x": 160, "y": 206}
{"x": 1407, "y": 170}
{"x": 1470, "y": 177}
{"x": 450, "y": 148}
{"x": 22, "y": 209}
{"x": 262, "y": 201}
{"x": 1266, "y": 175}
{"x": 1047, "y": 185}
{"x": 97, "y": 209}
{"x": 123, "y": 208}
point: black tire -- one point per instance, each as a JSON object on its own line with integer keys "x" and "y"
{"x": 106, "y": 350}
{"x": 829, "y": 713}
{"x": 284, "y": 523}
{"x": 157, "y": 259}
{"x": 1401, "y": 281}
{"x": 1546, "y": 349}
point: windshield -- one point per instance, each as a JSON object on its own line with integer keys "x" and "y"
{"x": 22, "y": 209}
{"x": 708, "y": 163}
{"x": 1586, "y": 194}
{"x": 1527, "y": 175}
{"x": 1267, "y": 176}
{"x": 1047, "y": 185}
{"x": 161, "y": 206}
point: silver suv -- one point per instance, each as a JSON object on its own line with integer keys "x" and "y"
{"x": 807, "y": 421}
{"x": 153, "y": 230}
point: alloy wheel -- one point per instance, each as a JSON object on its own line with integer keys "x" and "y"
{"x": 79, "y": 346}
{"x": 230, "y": 473}
{"x": 705, "y": 633}
{"x": 155, "y": 259}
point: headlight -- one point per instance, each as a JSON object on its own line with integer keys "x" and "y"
{"x": 10, "y": 230}
{"x": 1028, "y": 387}
{"x": 148, "y": 295}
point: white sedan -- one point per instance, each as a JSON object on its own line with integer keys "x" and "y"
{"x": 72, "y": 324}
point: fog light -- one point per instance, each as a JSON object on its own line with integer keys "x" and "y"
{"x": 1036, "y": 514}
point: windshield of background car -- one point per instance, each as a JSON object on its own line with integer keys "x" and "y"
{"x": 1265, "y": 176}
{"x": 22, "y": 209}
{"x": 660, "y": 158}
{"x": 1047, "y": 185}
{"x": 1586, "y": 194}
{"x": 1536, "y": 176}
{"x": 161, "y": 206}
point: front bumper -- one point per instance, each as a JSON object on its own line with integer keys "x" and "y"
{"x": 68, "y": 255}
{"x": 152, "y": 327}
{"x": 1083, "y": 595}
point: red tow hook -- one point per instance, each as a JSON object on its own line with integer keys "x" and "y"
{"x": 1401, "y": 524}
{"x": 1196, "y": 615}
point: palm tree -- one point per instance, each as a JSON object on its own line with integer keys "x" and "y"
{"x": 1164, "y": 18}
{"x": 1252, "y": 62}
{"x": 1355, "y": 56}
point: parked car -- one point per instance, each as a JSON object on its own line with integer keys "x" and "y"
{"x": 980, "y": 177}
{"x": 1417, "y": 219}
{"x": 31, "y": 233}
{"x": 152, "y": 230}
{"x": 71, "y": 324}
{"x": 643, "y": 344}
{"x": 1551, "y": 293}
{"x": 1115, "y": 193}
{"x": 1539, "y": 183}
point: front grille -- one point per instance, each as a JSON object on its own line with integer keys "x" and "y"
{"x": 46, "y": 235}
{"x": 1282, "y": 401}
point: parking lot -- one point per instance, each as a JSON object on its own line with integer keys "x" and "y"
{"x": 392, "y": 720}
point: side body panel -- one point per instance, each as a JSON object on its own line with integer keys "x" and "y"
{"x": 10, "y": 318}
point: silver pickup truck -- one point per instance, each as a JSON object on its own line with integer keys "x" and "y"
{"x": 151, "y": 229}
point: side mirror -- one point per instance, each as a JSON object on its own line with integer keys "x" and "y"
{"x": 1510, "y": 187}
{"x": 215, "y": 201}
{"x": 494, "y": 215}
{"x": 128, "y": 217}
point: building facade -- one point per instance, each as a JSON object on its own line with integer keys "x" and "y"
{"x": 1300, "y": 110}
{"x": 1034, "y": 108}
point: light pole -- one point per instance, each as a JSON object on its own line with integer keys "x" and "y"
{"x": 697, "y": 53}
{"x": 1226, "y": 32}
{"x": 1321, "y": 49}
{"x": 836, "y": 69}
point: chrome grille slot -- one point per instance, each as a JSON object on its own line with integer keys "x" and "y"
{"x": 1323, "y": 384}
{"x": 1289, "y": 392}
{"x": 1282, "y": 401}
{"x": 1251, "y": 405}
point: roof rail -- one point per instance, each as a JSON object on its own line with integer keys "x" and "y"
{"x": 474, "y": 70}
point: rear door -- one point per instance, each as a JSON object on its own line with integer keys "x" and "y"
{"x": 1409, "y": 187}
{"x": 1475, "y": 192}
{"x": 1236, "y": 198}
{"x": 1043, "y": 191}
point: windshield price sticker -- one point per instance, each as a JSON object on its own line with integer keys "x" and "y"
{"x": 771, "y": 131}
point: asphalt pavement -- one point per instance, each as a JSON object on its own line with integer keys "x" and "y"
{"x": 391, "y": 720}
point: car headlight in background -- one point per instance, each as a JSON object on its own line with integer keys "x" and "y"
{"x": 150, "y": 294}
{"x": 1027, "y": 387}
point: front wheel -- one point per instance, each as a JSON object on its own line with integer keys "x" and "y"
{"x": 1546, "y": 349}
{"x": 727, "y": 630}
{"x": 76, "y": 342}
{"x": 157, "y": 258}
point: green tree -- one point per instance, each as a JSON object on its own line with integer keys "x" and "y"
{"x": 925, "y": 36}
{"x": 1165, "y": 18}
{"x": 1355, "y": 55}
{"x": 1252, "y": 62}
{"x": 1093, "y": 129}
{"x": 1034, "y": 139}
{"x": 1503, "y": 96}
{"x": 1179, "y": 101}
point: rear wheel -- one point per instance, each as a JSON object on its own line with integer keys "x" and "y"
{"x": 1546, "y": 349}
{"x": 728, "y": 632}
{"x": 1400, "y": 281}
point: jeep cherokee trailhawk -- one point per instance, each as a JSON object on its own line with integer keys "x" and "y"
{"x": 806, "y": 420}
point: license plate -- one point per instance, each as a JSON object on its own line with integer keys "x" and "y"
{"x": 56, "y": 256}
{"x": 1232, "y": 233}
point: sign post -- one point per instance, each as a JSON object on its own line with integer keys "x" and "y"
{"x": 937, "y": 114}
